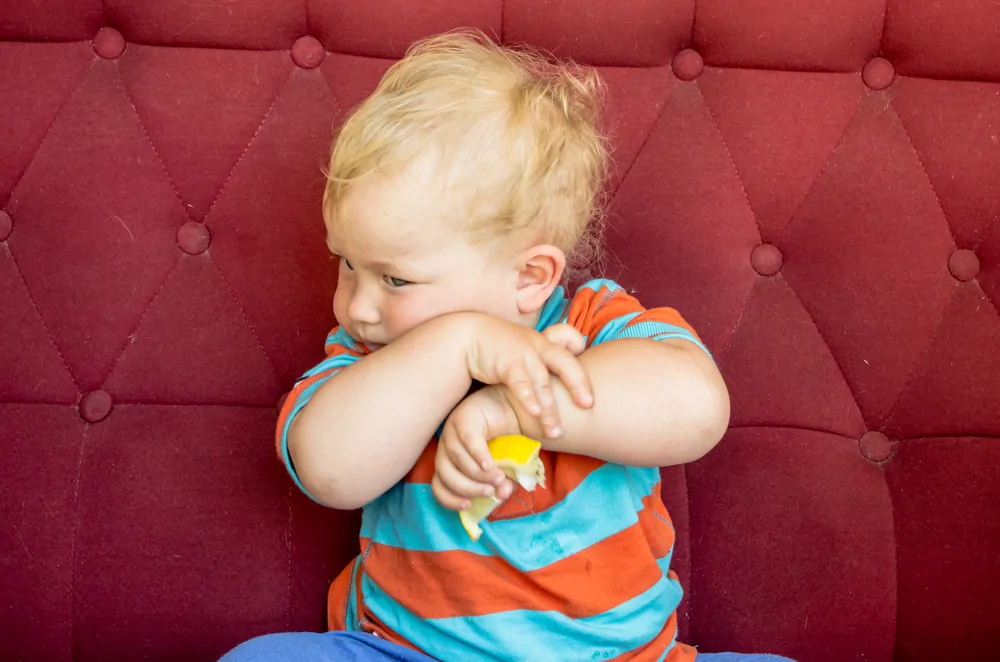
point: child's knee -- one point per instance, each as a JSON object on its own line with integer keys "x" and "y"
{"x": 283, "y": 647}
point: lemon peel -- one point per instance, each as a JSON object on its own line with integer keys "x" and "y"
{"x": 517, "y": 457}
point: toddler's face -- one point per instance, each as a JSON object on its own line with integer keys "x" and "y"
{"x": 404, "y": 260}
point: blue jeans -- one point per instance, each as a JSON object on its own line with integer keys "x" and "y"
{"x": 360, "y": 647}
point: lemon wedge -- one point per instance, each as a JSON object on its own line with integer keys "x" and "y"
{"x": 517, "y": 456}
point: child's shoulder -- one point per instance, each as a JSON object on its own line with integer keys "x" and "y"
{"x": 599, "y": 300}
{"x": 592, "y": 305}
{"x": 600, "y": 290}
{"x": 603, "y": 310}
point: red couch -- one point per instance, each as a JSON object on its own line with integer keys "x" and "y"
{"x": 813, "y": 183}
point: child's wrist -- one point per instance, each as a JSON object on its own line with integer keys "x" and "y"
{"x": 528, "y": 425}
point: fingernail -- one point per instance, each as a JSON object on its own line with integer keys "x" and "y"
{"x": 555, "y": 431}
{"x": 488, "y": 491}
{"x": 498, "y": 481}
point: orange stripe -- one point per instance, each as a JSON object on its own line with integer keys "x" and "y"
{"x": 654, "y": 649}
{"x": 336, "y": 599}
{"x": 459, "y": 583}
{"x": 423, "y": 470}
{"x": 654, "y": 519}
{"x": 563, "y": 473}
{"x": 582, "y": 309}
{"x": 369, "y": 622}
{"x": 590, "y": 310}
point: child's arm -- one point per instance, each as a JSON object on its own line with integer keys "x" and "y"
{"x": 658, "y": 398}
{"x": 365, "y": 426}
{"x": 656, "y": 403}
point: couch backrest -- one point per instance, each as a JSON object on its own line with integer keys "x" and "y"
{"x": 813, "y": 184}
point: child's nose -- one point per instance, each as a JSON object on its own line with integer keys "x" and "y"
{"x": 363, "y": 308}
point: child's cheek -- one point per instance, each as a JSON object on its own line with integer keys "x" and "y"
{"x": 408, "y": 315}
{"x": 340, "y": 304}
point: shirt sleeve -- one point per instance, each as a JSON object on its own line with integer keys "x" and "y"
{"x": 603, "y": 311}
{"x": 341, "y": 351}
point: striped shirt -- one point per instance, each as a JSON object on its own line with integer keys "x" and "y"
{"x": 579, "y": 569}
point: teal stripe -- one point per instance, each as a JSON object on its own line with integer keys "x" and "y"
{"x": 604, "y": 503}
{"x": 611, "y": 330}
{"x": 522, "y": 634}
{"x": 666, "y": 651}
{"x": 340, "y": 337}
{"x": 598, "y": 283}
{"x": 554, "y": 310}
{"x": 335, "y": 362}
{"x": 664, "y": 561}
{"x": 660, "y": 331}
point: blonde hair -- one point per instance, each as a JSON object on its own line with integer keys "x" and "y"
{"x": 514, "y": 136}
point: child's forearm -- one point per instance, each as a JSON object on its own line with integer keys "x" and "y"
{"x": 366, "y": 426}
{"x": 656, "y": 403}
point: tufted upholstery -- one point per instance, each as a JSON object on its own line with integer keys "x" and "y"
{"x": 813, "y": 183}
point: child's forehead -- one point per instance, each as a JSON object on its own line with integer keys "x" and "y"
{"x": 382, "y": 228}
{"x": 401, "y": 204}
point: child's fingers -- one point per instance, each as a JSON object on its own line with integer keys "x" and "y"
{"x": 569, "y": 369}
{"x": 506, "y": 489}
{"x": 541, "y": 379}
{"x": 446, "y": 497}
{"x": 457, "y": 482}
{"x": 464, "y": 462}
{"x": 474, "y": 443}
{"x": 566, "y": 336}
{"x": 522, "y": 387}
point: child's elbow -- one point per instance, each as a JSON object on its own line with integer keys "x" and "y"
{"x": 709, "y": 410}
{"x": 332, "y": 489}
{"x": 331, "y": 492}
{"x": 713, "y": 419}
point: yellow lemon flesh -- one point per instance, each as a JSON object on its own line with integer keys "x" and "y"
{"x": 517, "y": 457}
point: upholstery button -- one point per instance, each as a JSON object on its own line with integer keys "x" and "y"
{"x": 281, "y": 401}
{"x": 875, "y": 446}
{"x": 193, "y": 238}
{"x": 109, "y": 43}
{"x": 308, "y": 52}
{"x": 95, "y": 406}
{"x": 766, "y": 259}
{"x": 687, "y": 64}
{"x": 878, "y": 73}
{"x": 963, "y": 264}
{"x": 6, "y": 225}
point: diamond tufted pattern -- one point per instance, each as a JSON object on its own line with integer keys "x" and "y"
{"x": 813, "y": 183}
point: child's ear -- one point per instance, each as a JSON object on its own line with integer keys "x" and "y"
{"x": 540, "y": 270}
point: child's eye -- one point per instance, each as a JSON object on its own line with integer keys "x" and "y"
{"x": 347, "y": 263}
{"x": 396, "y": 282}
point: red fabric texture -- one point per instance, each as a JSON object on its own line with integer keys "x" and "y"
{"x": 163, "y": 281}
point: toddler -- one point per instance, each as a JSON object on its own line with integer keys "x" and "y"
{"x": 460, "y": 194}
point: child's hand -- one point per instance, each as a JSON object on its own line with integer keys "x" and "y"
{"x": 463, "y": 465}
{"x": 522, "y": 359}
